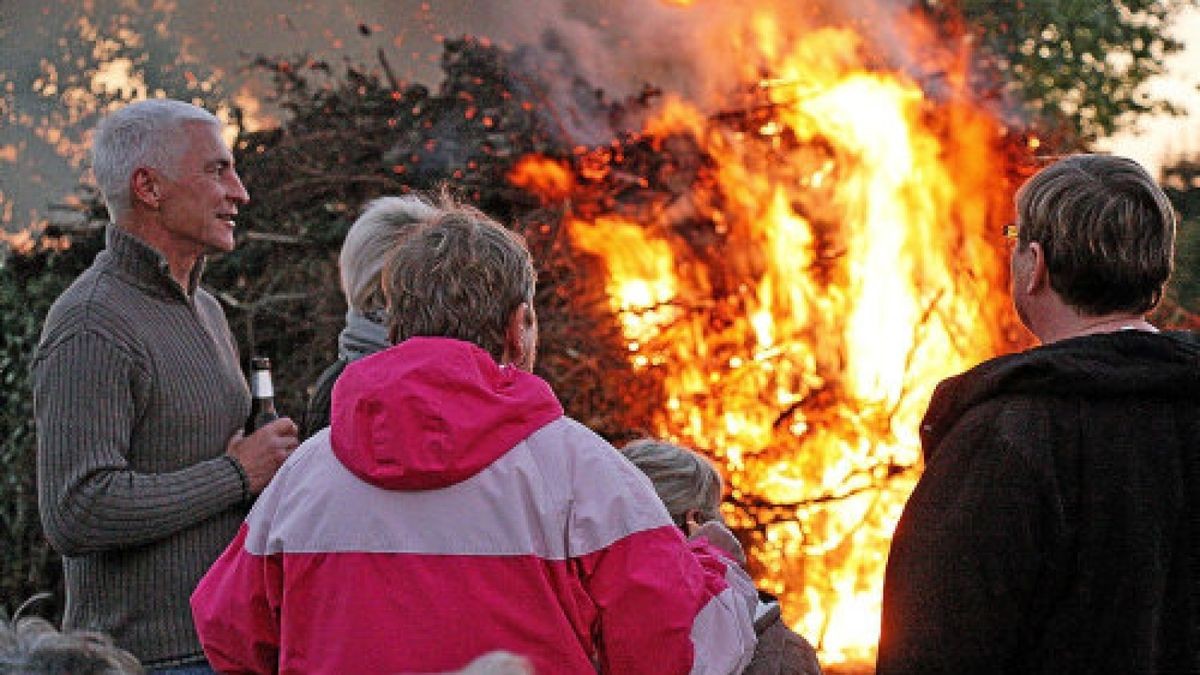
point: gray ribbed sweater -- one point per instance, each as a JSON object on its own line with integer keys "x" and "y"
{"x": 137, "y": 390}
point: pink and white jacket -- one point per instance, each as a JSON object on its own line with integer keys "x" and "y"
{"x": 451, "y": 509}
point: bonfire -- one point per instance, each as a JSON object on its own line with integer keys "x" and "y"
{"x": 797, "y": 262}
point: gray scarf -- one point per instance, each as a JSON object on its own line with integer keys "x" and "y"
{"x": 363, "y": 335}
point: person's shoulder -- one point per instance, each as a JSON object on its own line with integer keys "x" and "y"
{"x": 316, "y": 410}
{"x": 571, "y": 438}
{"x": 1189, "y": 338}
{"x": 610, "y": 499}
{"x": 91, "y": 287}
{"x": 324, "y": 381}
{"x": 93, "y": 303}
{"x": 322, "y": 394}
{"x": 1003, "y": 416}
{"x": 314, "y": 450}
{"x": 782, "y": 650}
{"x": 577, "y": 450}
{"x": 586, "y": 457}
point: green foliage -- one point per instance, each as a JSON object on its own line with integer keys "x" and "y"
{"x": 1182, "y": 181}
{"x": 1076, "y": 67}
{"x": 28, "y": 286}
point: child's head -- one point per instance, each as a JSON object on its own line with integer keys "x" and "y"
{"x": 686, "y": 482}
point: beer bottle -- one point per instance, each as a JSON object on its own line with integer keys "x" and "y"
{"x": 262, "y": 404}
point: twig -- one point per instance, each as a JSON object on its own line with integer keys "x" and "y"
{"x": 387, "y": 70}
{"x": 276, "y": 238}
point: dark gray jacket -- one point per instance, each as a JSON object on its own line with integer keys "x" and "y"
{"x": 1056, "y": 528}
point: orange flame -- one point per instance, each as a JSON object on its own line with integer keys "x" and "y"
{"x": 853, "y": 269}
{"x": 543, "y": 176}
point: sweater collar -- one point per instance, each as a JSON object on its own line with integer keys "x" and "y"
{"x": 145, "y": 264}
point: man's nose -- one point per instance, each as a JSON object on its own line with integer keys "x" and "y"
{"x": 239, "y": 193}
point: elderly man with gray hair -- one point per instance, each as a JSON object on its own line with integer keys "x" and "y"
{"x": 371, "y": 239}
{"x": 139, "y": 396}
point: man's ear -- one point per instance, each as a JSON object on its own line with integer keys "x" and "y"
{"x": 519, "y": 322}
{"x": 1039, "y": 275}
{"x": 145, "y": 187}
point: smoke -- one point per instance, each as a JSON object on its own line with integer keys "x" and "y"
{"x": 707, "y": 53}
{"x": 621, "y": 46}
{"x": 627, "y": 42}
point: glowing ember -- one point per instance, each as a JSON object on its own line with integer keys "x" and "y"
{"x": 543, "y": 176}
{"x": 843, "y": 266}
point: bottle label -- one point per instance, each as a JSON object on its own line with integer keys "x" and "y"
{"x": 260, "y": 384}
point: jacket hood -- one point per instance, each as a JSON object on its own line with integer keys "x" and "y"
{"x": 431, "y": 412}
{"x": 1119, "y": 364}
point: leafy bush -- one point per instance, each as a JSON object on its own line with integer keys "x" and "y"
{"x": 28, "y": 286}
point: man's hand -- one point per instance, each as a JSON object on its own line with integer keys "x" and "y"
{"x": 262, "y": 453}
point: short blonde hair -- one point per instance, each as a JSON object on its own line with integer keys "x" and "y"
{"x": 461, "y": 276}
{"x": 683, "y": 479}
{"x": 369, "y": 243}
{"x": 1107, "y": 231}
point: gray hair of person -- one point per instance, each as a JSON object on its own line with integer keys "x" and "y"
{"x": 461, "y": 276}
{"x": 369, "y": 243}
{"x": 683, "y": 479}
{"x": 32, "y": 646}
{"x": 1107, "y": 231}
{"x": 141, "y": 134}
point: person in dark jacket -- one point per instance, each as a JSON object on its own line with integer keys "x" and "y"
{"x": 1056, "y": 528}
{"x": 377, "y": 231}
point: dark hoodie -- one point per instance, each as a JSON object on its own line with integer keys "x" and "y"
{"x": 1056, "y": 528}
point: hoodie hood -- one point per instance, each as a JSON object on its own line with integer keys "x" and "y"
{"x": 1120, "y": 364}
{"x": 431, "y": 412}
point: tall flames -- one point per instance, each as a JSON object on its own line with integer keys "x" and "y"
{"x": 833, "y": 258}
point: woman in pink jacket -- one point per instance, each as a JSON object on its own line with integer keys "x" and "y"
{"x": 452, "y": 509}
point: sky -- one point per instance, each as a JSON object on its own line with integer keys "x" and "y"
{"x": 42, "y": 41}
{"x": 202, "y": 48}
{"x": 1160, "y": 139}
